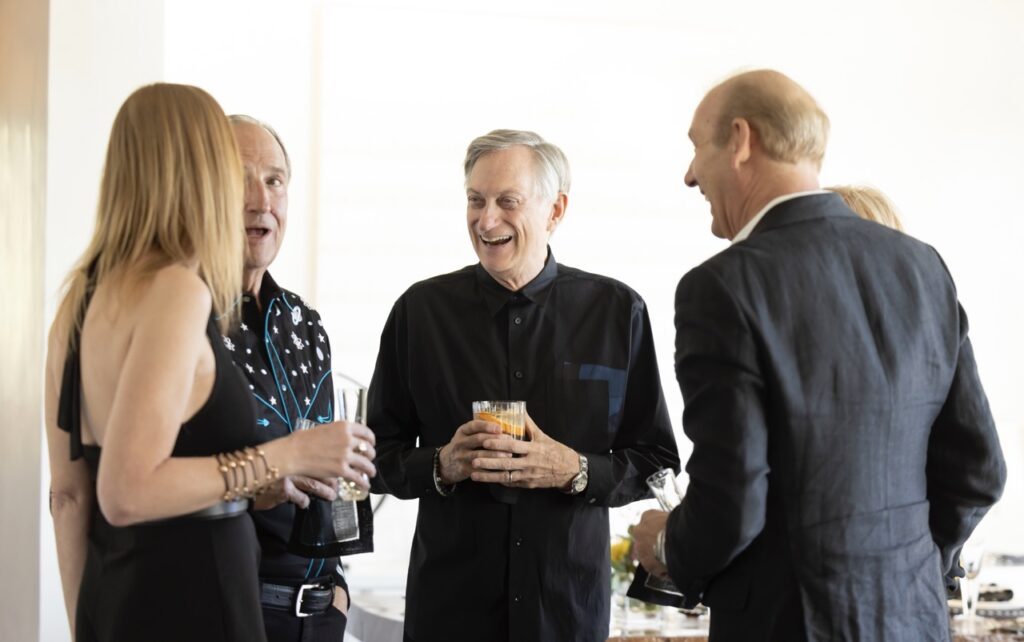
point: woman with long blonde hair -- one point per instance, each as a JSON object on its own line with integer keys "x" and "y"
{"x": 153, "y": 537}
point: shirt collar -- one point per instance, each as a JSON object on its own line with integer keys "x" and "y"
{"x": 268, "y": 290}
{"x": 496, "y": 295}
{"x": 752, "y": 223}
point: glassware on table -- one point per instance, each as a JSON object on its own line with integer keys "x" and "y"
{"x": 971, "y": 556}
{"x": 510, "y": 415}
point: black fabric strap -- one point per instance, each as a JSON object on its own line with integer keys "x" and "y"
{"x": 69, "y": 410}
{"x": 69, "y": 406}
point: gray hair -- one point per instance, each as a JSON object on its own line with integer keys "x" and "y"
{"x": 551, "y": 164}
{"x": 236, "y": 119}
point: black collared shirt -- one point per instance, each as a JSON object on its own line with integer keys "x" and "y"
{"x": 284, "y": 352}
{"x": 490, "y": 563}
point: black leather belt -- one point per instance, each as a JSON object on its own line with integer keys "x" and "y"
{"x": 303, "y": 600}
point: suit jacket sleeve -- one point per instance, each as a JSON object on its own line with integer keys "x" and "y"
{"x": 724, "y": 416}
{"x": 644, "y": 442}
{"x": 966, "y": 471}
{"x": 404, "y": 469}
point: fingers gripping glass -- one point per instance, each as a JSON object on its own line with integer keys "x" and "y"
{"x": 510, "y": 415}
{"x": 345, "y": 525}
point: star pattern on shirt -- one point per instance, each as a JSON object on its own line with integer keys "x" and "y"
{"x": 278, "y": 360}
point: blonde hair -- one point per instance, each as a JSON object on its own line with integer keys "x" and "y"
{"x": 171, "y": 192}
{"x": 790, "y": 124}
{"x": 869, "y": 203}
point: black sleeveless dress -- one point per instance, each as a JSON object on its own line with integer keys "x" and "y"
{"x": 178, "y": 579}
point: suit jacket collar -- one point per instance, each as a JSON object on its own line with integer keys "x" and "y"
{"x": 804, "y": 208}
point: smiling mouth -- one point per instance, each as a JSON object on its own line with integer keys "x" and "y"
{"x": 256, "y": 232}
{"x": 497, "y": 240}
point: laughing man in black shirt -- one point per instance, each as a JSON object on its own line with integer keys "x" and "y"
{"x": 516, "y": 548}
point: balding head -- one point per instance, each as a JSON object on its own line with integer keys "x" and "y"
{"x": 789, "y": 125}
{"x": 756, "y": 136}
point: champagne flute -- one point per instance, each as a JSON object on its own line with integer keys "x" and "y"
{"x": 350, "y": 405}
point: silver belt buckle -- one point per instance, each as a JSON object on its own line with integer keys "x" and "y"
{"x": 298, "y": 600}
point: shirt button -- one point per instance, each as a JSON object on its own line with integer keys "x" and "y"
{"x": 517, "y": 320}
{"x": 516, "y": 599}
{"x": 519, "y": 541}
{"x": 519, "y": 374}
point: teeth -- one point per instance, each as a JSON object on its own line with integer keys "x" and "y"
{"x": 497, "y": 239}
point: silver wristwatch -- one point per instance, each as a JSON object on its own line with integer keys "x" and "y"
{"x": 578, "y": 484}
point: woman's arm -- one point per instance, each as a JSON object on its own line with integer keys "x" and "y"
{"x": 71, "y": 490}
{"x": 138, "y": 478}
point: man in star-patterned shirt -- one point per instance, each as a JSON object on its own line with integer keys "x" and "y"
{"x": 283, "y": 350}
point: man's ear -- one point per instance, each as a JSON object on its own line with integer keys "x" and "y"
{"x": 557, "y": 211}
{"x": 740, "y": 142}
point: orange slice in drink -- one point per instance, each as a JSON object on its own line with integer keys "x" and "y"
{"x": 506, "y": 427}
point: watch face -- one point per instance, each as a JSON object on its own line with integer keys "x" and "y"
{"x": 579, "y": 483}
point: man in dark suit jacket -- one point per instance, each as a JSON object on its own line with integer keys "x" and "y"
{"x": 843, "y": 448}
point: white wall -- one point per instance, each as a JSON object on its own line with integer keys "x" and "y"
{"x": 924, "y": 98}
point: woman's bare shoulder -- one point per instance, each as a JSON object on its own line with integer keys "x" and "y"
{"x": 176, "y": 290}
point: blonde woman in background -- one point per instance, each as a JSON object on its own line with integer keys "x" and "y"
{"x": 153, "y": 538}
{"x": 869, "y": 203}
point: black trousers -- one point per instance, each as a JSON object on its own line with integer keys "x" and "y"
{"x": 282, "y": 626}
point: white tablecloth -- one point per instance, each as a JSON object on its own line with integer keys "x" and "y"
{"x": 375, "y": 617}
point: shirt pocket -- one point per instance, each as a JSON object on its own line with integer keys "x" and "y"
{"x": 587, "y": 402}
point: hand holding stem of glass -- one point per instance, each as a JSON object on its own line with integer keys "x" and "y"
{"x": 510, "y": 415}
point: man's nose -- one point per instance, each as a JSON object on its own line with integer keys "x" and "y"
{"x": 690, "y": 179}
{"x": 490, "y": 217}
{"x": 257, "y": 197}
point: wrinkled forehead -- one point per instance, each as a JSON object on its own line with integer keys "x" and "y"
{"x": 514, "y": 167}
{"x": 257, "y": 147}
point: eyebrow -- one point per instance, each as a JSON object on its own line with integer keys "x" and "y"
{"x": 509, "y": 192}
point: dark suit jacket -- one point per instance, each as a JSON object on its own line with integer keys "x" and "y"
{"x": 843, "y": 448}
